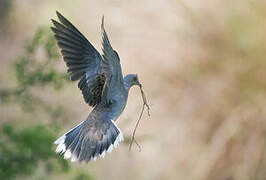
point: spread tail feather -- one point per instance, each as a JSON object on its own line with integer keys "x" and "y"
{"x": 87, "y": 140}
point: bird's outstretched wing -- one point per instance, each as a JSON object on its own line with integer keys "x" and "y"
{"x": 111, "y": 69}
{"x": 83, "y": 61}
{"x": 101, "y": 81}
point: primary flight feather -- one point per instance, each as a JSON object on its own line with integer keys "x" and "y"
{"x": 103, "y": 87}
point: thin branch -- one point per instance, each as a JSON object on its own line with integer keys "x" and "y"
{"x": 145, "y": 103}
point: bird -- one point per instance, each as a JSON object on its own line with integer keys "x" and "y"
{"x": 103, "y": 87}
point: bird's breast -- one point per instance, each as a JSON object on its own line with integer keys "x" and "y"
{"x": 117, "y": 106}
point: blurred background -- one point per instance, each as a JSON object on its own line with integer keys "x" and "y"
{"x": 203, "y": 68}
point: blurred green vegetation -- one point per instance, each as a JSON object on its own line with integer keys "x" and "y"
{"x": 22, "y": 150}
{"x": 26, "y": 150}
{"x": 31, "y": 72}
{"x": 5, "y": 6}
{"x": 83, "y": 176}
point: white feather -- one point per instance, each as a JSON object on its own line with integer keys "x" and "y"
{"x": 120, "y": 137}
{"x": 67, "y": 154}
{"x": 110, "y": 149}
{"x": 95, "y": 158}
{"x": 60, "y": 140}
{"x": 74, "y": 158}
{"x": 61, "y": 147}
{"x": 116, "y": 143}
{"x": 103, "y": 154}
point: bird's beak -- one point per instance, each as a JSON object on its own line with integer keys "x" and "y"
{"x": 138, "y": 82}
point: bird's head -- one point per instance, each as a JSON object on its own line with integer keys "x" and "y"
{"x": 131, "y": 80}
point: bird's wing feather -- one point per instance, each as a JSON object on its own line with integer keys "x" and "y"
{"x": 82, "y": 59}
{"x": 111, "y": 68}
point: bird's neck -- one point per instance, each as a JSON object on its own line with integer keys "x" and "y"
{"x": 127, "y": 85}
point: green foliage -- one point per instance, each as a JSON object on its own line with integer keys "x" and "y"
{"x": 26, "y": 150}
{"x": 5, "y": 6}
{"x": 83, "y": 176}
{"x": 31, "y": 71}
{"x": 22, "y": 150}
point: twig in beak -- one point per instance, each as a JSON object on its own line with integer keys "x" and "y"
{"x": 145, "y": 103}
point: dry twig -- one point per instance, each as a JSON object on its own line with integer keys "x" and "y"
{"x": 145, "y": 103}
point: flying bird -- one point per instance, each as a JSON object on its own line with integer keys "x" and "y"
{"x": 103, "y": 87}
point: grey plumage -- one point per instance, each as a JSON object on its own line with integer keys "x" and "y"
{"x": 103, "y": 87}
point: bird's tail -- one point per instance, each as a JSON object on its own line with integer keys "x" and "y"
{"x": 89, "y": 140}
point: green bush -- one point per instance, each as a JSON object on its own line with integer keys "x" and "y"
{"x": 28, "y": 150}
{"x": 22, "y": 150}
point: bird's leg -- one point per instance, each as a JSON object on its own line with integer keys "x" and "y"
{"x": 145, "y": 103}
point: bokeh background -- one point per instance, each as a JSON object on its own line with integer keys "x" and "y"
{"x": 203, "y": 67}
